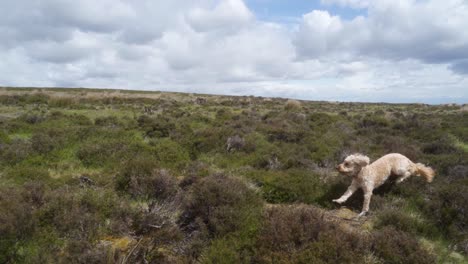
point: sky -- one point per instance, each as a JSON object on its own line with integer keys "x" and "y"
{"x": 397, "y": 51}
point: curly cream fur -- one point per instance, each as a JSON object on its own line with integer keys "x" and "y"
{"x": 368, "y": 177}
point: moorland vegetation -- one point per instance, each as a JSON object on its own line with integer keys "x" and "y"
{"x": 109, "y": 176}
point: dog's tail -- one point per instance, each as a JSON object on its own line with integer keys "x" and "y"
{"x": 426, "y": 172}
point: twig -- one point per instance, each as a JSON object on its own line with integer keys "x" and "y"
{"x": 157, "y": 226}
{"x": 131, "y": 251}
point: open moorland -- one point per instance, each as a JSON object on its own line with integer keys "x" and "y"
{"x": 112, "y": 176}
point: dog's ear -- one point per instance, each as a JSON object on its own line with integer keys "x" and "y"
{"x": 361, "y": 160}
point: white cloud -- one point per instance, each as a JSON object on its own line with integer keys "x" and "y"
{"x": 429, "y": 31}
{"x": 401, "y": 51}
{"x": 226, "y": 15}
{"x": 348, "y": 3}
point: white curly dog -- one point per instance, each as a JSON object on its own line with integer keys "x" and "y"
{"x": 368, "y": 177}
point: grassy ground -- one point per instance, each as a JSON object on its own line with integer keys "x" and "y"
{"x": 105, "y": 176}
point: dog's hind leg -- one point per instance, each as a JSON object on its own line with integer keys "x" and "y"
{"x": 405, "y": 176}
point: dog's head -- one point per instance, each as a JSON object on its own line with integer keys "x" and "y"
{"x": 353, "y": 164}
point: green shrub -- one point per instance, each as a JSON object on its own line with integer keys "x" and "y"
{"x": 21, "y": 174}
{"x": 211, "y": 139}
{"x": 156, "y": 127}
{"x": 289, "y": 186}
{"x": 141, "y": 177}
{"x": 374, "y": 121}
{"x": 170, "y": 153}
{"x": 222, "y": 251}
{"x": 402, "y": 221}
{"x": 84, "y": 214}
{"x": 103, "y": 151}
{"x": 108, "y": 121}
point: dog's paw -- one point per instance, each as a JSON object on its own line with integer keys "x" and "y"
{"x": 362, "y": 214}
{"x": 398, "y": 181}
{"x": 338, "y": 201}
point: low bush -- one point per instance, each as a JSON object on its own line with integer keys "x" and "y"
{"x": 224, "y": 204}
{"x": 289, "y": 186}
{"x": 394, "y": 246}
{"x": 99, "y": 152}
{"x": 141, "y": 177}
{"x": 298, "y": 234}
{"x": 212, "y": 139}
{"x": 156, "y": 126}
{"x": 108, "y": 121}
{"x": 15, "y": 151}
{"x": 373, "y": 121}
{"x": 445, "y": 205}
{"x": 293, "y": 106}
{"x": 443, "y": 145}
{"x": 22, "y": 174}
{"x": 16, "y": 224}
{"x": 412, "y": 224}
{"x": 170, "y": 153}
{"x": 47, "y": 140}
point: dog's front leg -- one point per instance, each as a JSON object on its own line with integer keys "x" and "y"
{"x": 365, "y": 206}
{"x": 351, "y": 189}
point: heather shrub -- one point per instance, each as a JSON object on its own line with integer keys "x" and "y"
{"x": 16, "y": 224}
{"x": 445, "y": 205}
{"x": 32, "y": 118}
{"x": 235, "y": 143}
{"x": 211, "y": 139}
{"x": 458, "y": 172}
{"x": 47, "y": 140}
{"x": 373, "y": 121}
{"x": 320, "y": 121}
{"x": 394, "y": 246}
{"x": 15, "y": 151}
{"x": 442, "y": 145}
{"x": 282, "y": 131}
{"x": 223, "y": 114}
{"x": 156, "y": 126}
{"x": 292, "y": 106}
{"x": 72, "y": 214}
{"x": 141, "y": 177}
{"x": 224, "y": 204}
{"x": 287, "y": 228}
{"x": 298, "y": 234}
{"x": 334, "y": 246}
{"x": 108, "y": 121}
{"x": 392, "y": 144}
